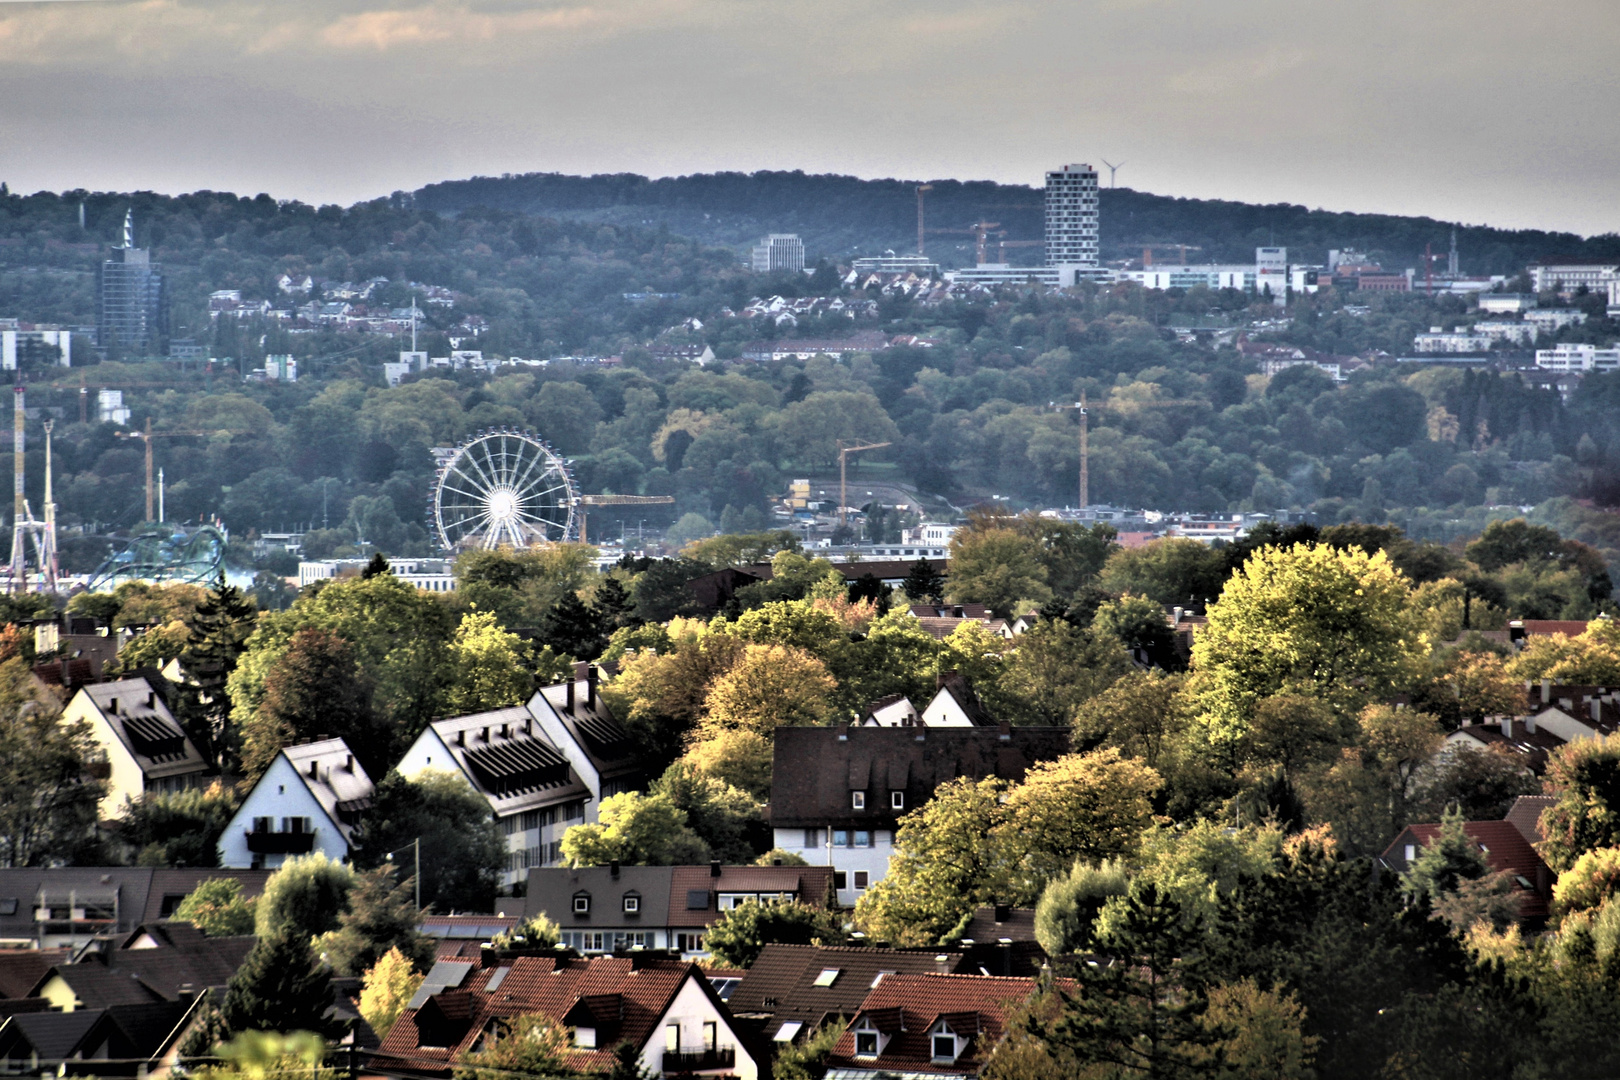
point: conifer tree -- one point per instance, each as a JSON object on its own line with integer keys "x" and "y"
{"x": 279, "y": 987}
{"x": 216, "y": 637}
{"x": 924, "y": 584}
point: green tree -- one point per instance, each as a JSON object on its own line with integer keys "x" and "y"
{"x": 1142, "y": 1014}
{"x": 727, "y": 819}
{"x": 216, "y": 637}
{"x": 305, "y": 898}
{"x": 388, "y": 986}
{"x": 998, "y": 567}
{"x": 638, "y": 830}
{"x": 738, "y": 936}
{"x": 924, "y": 584}
{"x": 807, "y": 1058}
{"x": 534, "y": 935}
{"x": 217, "y": 908}
{"x": 1080, "y": 806}
{"x": 811, "y": 431}
{"x": 1590, "y": 883}
{"x": 1584, "y": 778}
{"x": 1168, "y": 572}
{"x": 315, "y": 689}
{"x": 571, "y": 627}
{"x": 521, "y": 586}
{"x": 179, "y": 828}
{"x": 1139, "y": 625}
{"x": 48, "y": 802}
{"x": 381, "y": 917}
{"x": 462, "y": 849}
{"x": 1141, "y": 713}
{"x": 1331, "y": 624}
{"x": 280, "y": 987}
{"x": 1056, "y": 669}
{"x": 1068, "y": 908}
{"x": 527, "y": 1046}
{"x": 767, "y": 687}
{"x": 488, "y": 667}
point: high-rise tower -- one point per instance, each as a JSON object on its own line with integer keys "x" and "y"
{"x": 1071, "y": 216}
{"x": 131, "y": 306}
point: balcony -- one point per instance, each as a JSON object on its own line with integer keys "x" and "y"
{"x": 279, "y": 843}
{"x": 687, "y": 1061}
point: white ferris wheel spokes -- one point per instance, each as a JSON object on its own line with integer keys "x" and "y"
{"x": 503, "y": 488}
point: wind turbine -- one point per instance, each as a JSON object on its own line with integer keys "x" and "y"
{"x": 1112, "y": 169}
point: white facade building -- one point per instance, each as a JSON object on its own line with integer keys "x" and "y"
{"x": 110, "y": 407}
{"x": 1506, "y": 303}
{"x": 1567, "y": 277}
{"x": 1271, "y": 272}
{"x": 1550, "y": 319}
{"x": 1516, "y": 333}
{"x": 890, "y": 263}
{"x": 47, "y": 346}
{"x": 1579, "y": 358}
{"x": 936, "y": 533}
{"x": 309, "y": 799}
{"x": 147, "y": 751}
{"x": 1440, "y": 340}
{"x": 1071, "y": 216}
{"x": 778, "y": 251}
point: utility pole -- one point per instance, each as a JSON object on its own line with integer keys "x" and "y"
{"x": 19, "y": 513}
{"x": 843, "y": 475}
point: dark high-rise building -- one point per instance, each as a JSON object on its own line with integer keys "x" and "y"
{"x": 132, "y": 311}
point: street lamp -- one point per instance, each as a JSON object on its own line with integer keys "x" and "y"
{"x": 416, "y": 876}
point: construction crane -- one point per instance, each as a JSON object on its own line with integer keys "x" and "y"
{"x": 843, "y": 476}
{"x": 980, "y": 231}
{"x": 1003, "y": 245}
{"x": 147, "y": 436}
{"x": 617, "y": 500}
{"x": 1083, "y": 410}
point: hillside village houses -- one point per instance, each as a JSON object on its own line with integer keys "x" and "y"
{"x": 311, "y": 798}
{"x": 146, "y": 749}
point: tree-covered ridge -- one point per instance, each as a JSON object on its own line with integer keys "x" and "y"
{"x": 844, "y": 216}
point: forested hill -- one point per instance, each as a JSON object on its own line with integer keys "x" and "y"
{"x": 843, "y": 216}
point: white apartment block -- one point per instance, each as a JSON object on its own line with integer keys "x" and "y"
{"x": 1516, "y": 333}
{"x": 1567, "y": 277}
{"x": 1550, "y": 319}
{"x": 45, "y": 346}
{"x": 1071, "y": 216}
{"x": 1579, "y": 358}
{"x": 1439, "y": 340}
{"x": 1506, "y": 303}
{"x": 778, "y": 251}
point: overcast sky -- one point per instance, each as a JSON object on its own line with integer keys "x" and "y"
{"x": 1485, "y": 111}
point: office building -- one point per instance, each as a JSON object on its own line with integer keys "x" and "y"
{"x": 131, "y": 305}
{"x": 778, "y": 251}
{"x": 35, "y": 349}
{"x": 1071, "y": 216}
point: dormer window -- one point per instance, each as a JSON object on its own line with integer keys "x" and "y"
{"x": 582, "y": 903}
{"x": 585, "y": 1038}
{"x": 944, "y": 1044}
{"x": 857, "y": 800}
{"x": 632, "y": 903}
{"x": 866, "y": 1044}
{"x": 897, "y": 800}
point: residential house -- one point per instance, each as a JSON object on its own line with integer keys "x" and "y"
{"x": 121, "y": 1040}
{"x": 1525, "y": 815}
{"x": 309, "y": 799}
{"x": 1504, "y": 846}
{"x": 156, "y": 962}
{"x": 145, "y": 747}
{"x": 837, "y": 794}
{"x": 791, "y": 991}
{"x": 928, "y": 1026}
{"x": 1552, "y": 715}
{"x": 67, "y": 907}
{"x": 954, "y": 704}
{"x": 606, "y": 908}
{"x": 544, "y": 766}
{"x": 663, "y": 1007}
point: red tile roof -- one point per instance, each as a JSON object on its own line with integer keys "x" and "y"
{"x": 625, "y": 996}
{"x": 1504, "y": 847}
{"x": 907, "y": 1007}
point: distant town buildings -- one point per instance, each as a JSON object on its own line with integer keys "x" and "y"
{"x": 890, "y": 263}
{"x": 110, "y": 407}
{"x": 778, "y": 251}
{"x": 1570, "y": 276}
{"x": 1579, "y": 358}
{"x": 1071, "y": 216}
{"x": 35, "y": 348}
{"x": 131, "y": 303}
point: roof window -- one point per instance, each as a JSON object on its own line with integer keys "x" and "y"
{"x": 582, "y": 903}
{"x": 827, "y": 977}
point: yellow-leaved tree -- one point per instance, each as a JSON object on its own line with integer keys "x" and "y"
{"x": 387, "y": 989}
{"x": 1307, "y": 619}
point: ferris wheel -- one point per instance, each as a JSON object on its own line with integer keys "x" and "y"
{"x": 502, "y": 488}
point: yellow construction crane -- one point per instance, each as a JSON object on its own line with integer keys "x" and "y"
{"x": 843, "y": 476}
{"x": 617, "y": 500}
{"x": 1083, "y": 410}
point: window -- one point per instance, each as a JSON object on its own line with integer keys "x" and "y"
{"x": 787, "y": 1032}
{"x": 897, "y": 800}
{"x": 574, "y": 811}
{"x": 860, "y": 880}
{"x": 585, "y": 1038}
{"x": 632, "y": 903}
{"x": 863, "y": 838}
{"x": 945, "y": 1047}
{"x": 839, "y": 879}
{"x": 582, "y": 903}
{"x": 1411, "y": 852}
{"x": 812, "y": 838}
{"x": 866, "y": 1044}
{"x": 697, "y": 899}
{"x": 827, "y": 977}
{"x": 711, "y": 1034}
{"x": 879, "y": 978}
{"x": 857, "y": 799}
{"x": 672, "y": 1037}
{"x": 840, "y": 838}
{"x": 689, "y": 942}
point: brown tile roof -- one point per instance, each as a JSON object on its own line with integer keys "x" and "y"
{"x": 781, "y": 986}
{"x": 1015, "y": 924}
{"x": 908, "y": 1006}
{"x": 1571, "y": 627}
{"x": 1525, "y": 815}
{"x": 625, "y": 997}
{"x": 21, "y": 969}
{"x": 1504, "y": 847}
{"x": 814, "y": 770}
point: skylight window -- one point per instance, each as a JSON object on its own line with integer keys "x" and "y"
{"x": 880, "y": 977}
{"x": 788, "y": 1031}
{"x": 827, "y": 977}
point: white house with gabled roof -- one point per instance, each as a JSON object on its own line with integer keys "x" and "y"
{"x": 147, "y": 751}
{"x": 310, "y": 799}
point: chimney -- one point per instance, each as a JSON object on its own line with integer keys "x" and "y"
{"x": 1516, "y": 631}
{"x": 151, "y": 699}
{"x": 484, "y": 733}
{"x": 1003, "y": 912}
{"x": 1530, "y": 724}
{"x": 461, "y": 738}
{"x": 941, "y": 679}
{"x": 714, "y": 868}
{"x": 568, "y": 698}
{"x": 112, "y": 706}
{"x": 1546, "y": 691}
{"x": 590, "y": 687}
{"x": 1507, "y": 727}
{"x": 1596, "y": 705}
{"x": 1004, "y": 731}
{"x": 613, "y": 868}
{"x": 315, "y": 770}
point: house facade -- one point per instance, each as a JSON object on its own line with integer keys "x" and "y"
{"x": 837, "y": 794}
{"x": 663, "y": 1007}
{"x": 543, "y": 766}
{"x": 147, "y": 751}
{"x": 309, "y": 799}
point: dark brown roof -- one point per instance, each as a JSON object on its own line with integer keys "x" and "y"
{"x": 21, "y": 969}
{"x": 814, "y": 770}
{"x": 781, "y": 986}
{"x": 1015, "y": 924}
{"x": 1525, "y": 815}
{"x": 1529, "y": 748}
{"x": 809, "y": 884}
